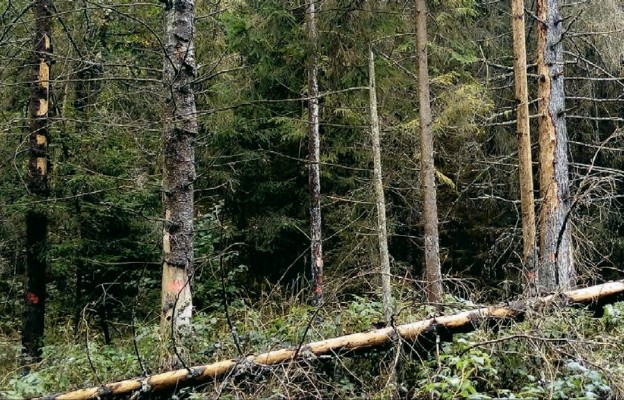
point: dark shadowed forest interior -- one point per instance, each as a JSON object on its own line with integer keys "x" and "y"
{"x": 186, "y": 182}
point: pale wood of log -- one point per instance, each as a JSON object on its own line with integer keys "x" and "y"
{"x": 468, "y": 320}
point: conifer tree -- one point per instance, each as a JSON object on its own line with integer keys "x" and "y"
{"x": 524, "y": 140}
{"x": 380, "y": 201}
{"x": 178, "y": 176}
{"x": 36, "y": 217}
{"x": 556, "y": 269}
{"x": 430, "y": 212}
{"x": 314, "y": 139}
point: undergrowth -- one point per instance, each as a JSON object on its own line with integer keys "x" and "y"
{"x": 560, "y": 353}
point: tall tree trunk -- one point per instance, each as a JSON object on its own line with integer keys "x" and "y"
{"x": 316, "y": 236}
{"x": 432, "y": 240}
{"x": 36, "y": 218}
{"x": 524, "y": 142}
{"x": 380, "y": 201}
{"x": 178, "y": 176}
{"x": 556, "y": 268}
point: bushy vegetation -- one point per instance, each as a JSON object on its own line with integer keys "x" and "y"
{"x": 251, "y": 219}
{"x": 555, "y": 354}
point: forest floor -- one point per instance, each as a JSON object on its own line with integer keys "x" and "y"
{"x": 564, "y": 353}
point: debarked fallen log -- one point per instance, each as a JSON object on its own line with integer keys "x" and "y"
{"x": 462, "y": 322}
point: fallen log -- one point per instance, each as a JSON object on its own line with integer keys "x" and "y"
{"x": 462, "y": 322}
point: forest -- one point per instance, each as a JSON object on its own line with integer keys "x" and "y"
{"x": 278, "y": 199}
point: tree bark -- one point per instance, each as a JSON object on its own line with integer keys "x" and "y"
{"x": 466, "y": 321}
{"x": 314, "y": 144}
{"x": 556, "y": 269}
{"x": 430, "y": 213}
{"x": 178, "y": 176}
{"x": 36, "y": 218}
{"x": 527, "y": 199}
{"x": 380, "y": 201}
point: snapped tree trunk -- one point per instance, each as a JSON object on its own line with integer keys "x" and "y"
{"x": 36, "y": 217}
{"x": 524, "y": 143}
{"x": 314, "y": 144}
{"x": 178, "y": 177}
{"x": 380, "y": 201}
{"x": 556, "y": 269}
{"x": 430, "y": 213}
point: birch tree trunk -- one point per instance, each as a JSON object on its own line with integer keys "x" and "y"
{"x": 380, "y": 201}
{"x": 314, "y": 144}
{"x": 556, "y": 268}
{"x": 36, "y": 217}
{"x": 178, "y": 176}
{"x": 527, "y": 199}
{"x": 432, "y": 240}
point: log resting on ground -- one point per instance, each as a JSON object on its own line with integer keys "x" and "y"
{"x": 595, "y": 296}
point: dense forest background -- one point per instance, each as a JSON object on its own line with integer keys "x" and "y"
{"x": 251, "y": 221}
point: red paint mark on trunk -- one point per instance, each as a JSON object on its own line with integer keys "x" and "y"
{"x": 177, "y": 285}
{"x": 32, "y": 298}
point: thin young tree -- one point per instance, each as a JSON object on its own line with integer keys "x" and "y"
{"x": 556, "y": 269}
{"x": 36, "y": 217}
{"x": 430, "y": 214}
{"x": 314, "y": 144}
{"x": 178, "y": 176}
{"x": 524, "y": 140}
{"x": 380, "y": 201}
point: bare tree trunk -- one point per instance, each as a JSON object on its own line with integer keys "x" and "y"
{"x": 178, "y": 176}
{"x": 380, "y": 201}
{"x": 556, "y": 268}
{"x": 527, "y": 199}
{"x": 432, "y": 240}
{"x": 316, "y": 236}
{"x": 36, "y": 218}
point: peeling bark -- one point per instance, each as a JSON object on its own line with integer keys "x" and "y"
{"x": 178, "y": 176}
{"x": 314, "y": 145}
{"x": 556, "y": 269}
{"x": 527, "y": 199}
{"x": 38, "y": 166}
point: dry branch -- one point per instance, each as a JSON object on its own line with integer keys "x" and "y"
{"x": 462, "y": 322}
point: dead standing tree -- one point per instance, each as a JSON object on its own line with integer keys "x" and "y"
{"x": 178, "y": 177}
{"x": 430, "y": 213}
{"x": 36, "y": 217}
{"x": 556, "y": 269}
{"x": 380, "y": 200}
{"x": 314, "y": 156}
{"x": 524, "y": 139}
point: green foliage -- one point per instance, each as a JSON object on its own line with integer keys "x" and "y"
{"x": 252, "y": 200}
{"x": 511, "y": 363}
{"x": 580, "y": 382}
